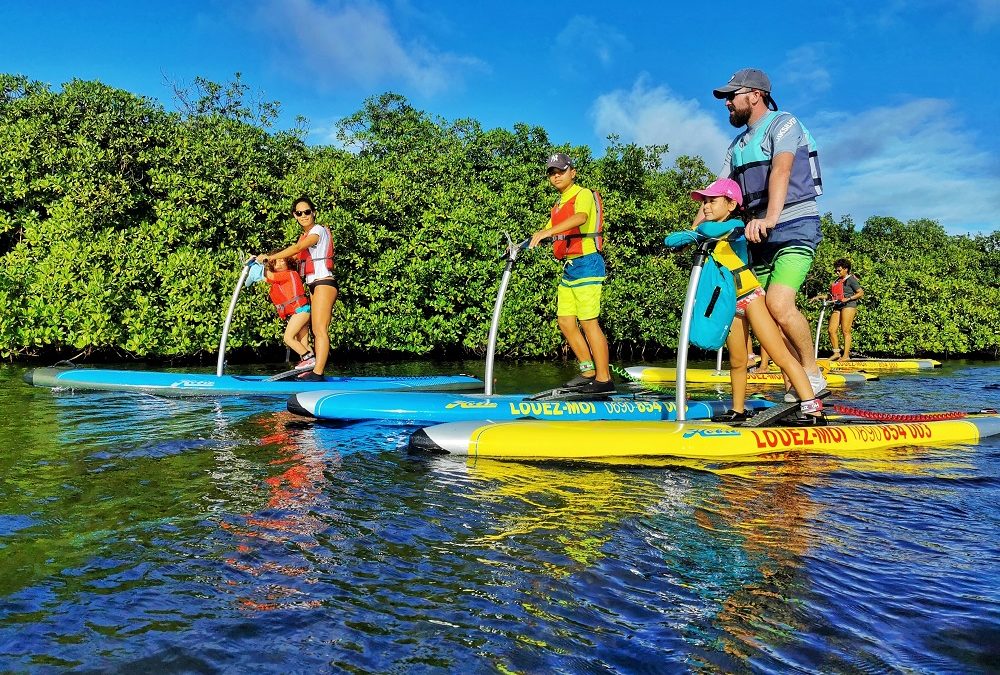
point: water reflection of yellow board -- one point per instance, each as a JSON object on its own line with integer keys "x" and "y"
{"x": 542, "y": 439}
{"x": 880, "y": 365}
{"x": 710, "y": 376}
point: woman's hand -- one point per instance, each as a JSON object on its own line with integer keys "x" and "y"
{"x": 262, "y": 258}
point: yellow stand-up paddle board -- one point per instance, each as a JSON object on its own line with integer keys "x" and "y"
{"x": 710, "y": 376}
{"x": 879, "y": 365}
{"x": 544, "y": 439}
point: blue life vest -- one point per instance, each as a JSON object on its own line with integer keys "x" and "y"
{"x": 714, "y": 306}
{"x": 751, "y": 168}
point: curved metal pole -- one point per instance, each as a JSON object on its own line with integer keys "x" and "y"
{"x": 491, "y": 346}
{"x": 682, "y": 347}
{"x": 221, "y": 363}
{"x": 819, "y": 327}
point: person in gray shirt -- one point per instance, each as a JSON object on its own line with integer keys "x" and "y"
{"x": 776, "y": 164}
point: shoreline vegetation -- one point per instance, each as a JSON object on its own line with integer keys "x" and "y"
{"x": 123, "y": 227}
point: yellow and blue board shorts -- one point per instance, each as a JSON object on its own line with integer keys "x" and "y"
{"x": 580, "y": 287}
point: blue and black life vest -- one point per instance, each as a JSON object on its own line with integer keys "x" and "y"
{"x": 751, "y": 168}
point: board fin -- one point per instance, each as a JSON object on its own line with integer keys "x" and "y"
{"x": 779, "y": 413}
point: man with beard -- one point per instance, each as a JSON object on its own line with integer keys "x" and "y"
{"x": 774, "y": 161}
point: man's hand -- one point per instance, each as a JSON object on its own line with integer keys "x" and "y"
{"x": 758, "y": 229}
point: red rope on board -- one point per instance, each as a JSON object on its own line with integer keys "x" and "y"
{"x": 898, "y": 417}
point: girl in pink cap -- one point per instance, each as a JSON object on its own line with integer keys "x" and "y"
{"x": 720, "y": 203}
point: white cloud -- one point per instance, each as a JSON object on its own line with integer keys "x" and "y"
{"x": 890, "y": 15}
{"x": 986, "y": 12}
{"x": 913, "y": 160}
{"x": 655, "y": 115}
{"x": 356, "y": 43}
{"x": 804, "y": 71}
{"x": 324, "y": 132}
{"x": 585, "y": 35}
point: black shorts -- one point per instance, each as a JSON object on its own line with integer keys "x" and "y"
{"x": 321, "y": 282}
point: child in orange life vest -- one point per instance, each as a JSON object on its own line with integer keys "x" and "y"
{"x": 719, "y": 202}
{"x": 289, "y": 298}
{"x": 575, "y": 230}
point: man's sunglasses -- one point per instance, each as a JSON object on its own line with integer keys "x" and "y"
{"x": 733, "y": 94}
{"x": 307, "y": 212}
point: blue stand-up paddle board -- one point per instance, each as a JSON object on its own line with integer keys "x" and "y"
{"x": 199, "y": 384}
{"x": 195, "y": 384}
{"x": 432, "y": 407}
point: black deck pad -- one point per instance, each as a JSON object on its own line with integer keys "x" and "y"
{"x": 567, "y": 394}
{"x": 288, "y": 374}
{"x": 779, "y": 413}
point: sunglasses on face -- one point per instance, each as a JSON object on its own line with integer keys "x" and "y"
{"x": 733, "y": 94}
{"x": 307, "y": 212}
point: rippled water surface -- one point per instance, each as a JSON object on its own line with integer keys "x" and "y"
{"x": 139, "y": 532}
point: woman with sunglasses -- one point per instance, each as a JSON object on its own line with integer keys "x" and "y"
{"x": 314, "y": 249}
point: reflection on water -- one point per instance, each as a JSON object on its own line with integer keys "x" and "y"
{"x": 186, "y": 534}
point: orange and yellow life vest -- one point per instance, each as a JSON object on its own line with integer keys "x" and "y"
{"x": 570, "y": 243}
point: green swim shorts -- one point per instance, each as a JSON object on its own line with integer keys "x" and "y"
{"x": 788, "y": 267}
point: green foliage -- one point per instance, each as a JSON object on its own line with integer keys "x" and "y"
{"x": 121, "y": 224}
{"x": 123, "y": 228}
{"x": 925, "y": 292}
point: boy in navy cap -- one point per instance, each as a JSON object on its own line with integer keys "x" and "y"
{"x": 575, "y": 227}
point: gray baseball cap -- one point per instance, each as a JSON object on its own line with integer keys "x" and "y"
{"x": 750, "y": 78}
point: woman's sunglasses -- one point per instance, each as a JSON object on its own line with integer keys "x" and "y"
{"x": 307, "y": 212}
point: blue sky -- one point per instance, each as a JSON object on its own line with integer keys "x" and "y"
{"x": 902, "y": 97}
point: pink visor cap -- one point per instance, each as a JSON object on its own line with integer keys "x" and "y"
{"x": 724, "y": 187}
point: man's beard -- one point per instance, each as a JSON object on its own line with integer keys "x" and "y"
{"x": 739, "y": 118}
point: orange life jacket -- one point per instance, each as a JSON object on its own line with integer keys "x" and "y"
{"x": 306, "y": 264}
{"x": 837, "y": 288}
{"x": 287, "y": 292}
{"x": 571, "y": 241}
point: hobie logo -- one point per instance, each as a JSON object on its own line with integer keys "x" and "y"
{"x": 192, "y": 384}
{"x": 470, "y": 405}
{"x": 710, "y": 433}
